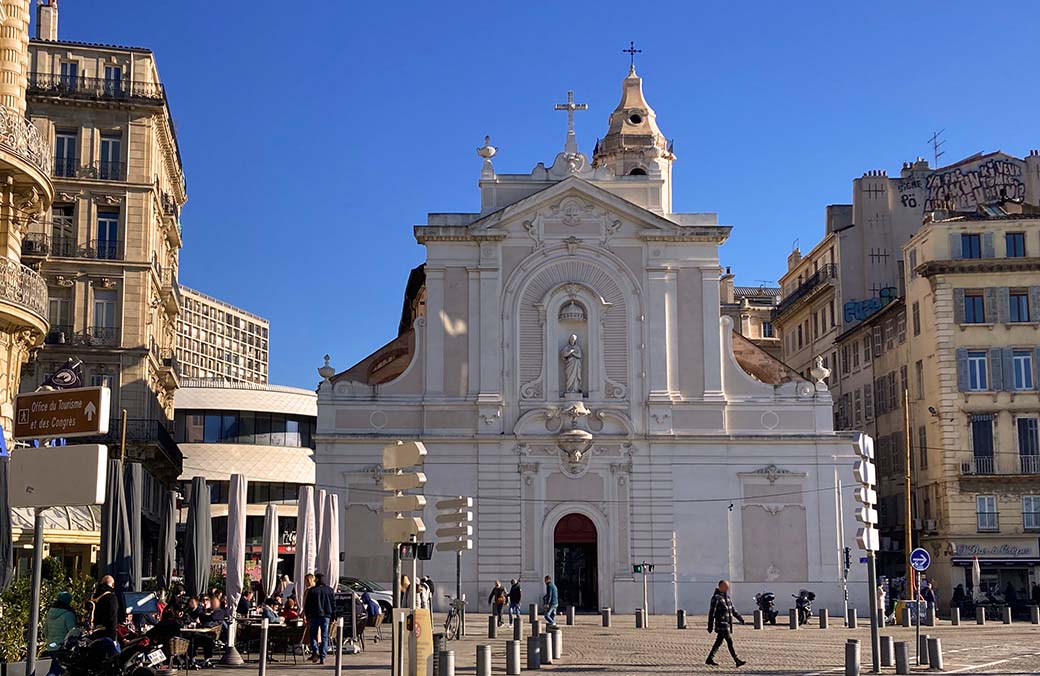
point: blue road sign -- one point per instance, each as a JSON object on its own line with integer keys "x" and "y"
{"x": 919, "y": 560}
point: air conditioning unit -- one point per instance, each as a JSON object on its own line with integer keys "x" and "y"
{"x": 918, "y": 524}
{"x": 931, "y": 526}
{"x": 966, "y": 468}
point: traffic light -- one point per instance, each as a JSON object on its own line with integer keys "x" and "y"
{"x": 398, "y": 524}
{"x": 454, "y": 532}
{"x": 639, "y": 568}
{"x": 866, "y": 474}
{"x": 848, "y": 559}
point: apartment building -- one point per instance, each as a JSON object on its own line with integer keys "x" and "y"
{"x": 974, "y": 299}
{"x": 751, "y": 309}
{"x": 218, "y": 341}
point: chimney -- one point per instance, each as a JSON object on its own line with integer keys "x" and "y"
{"x": 794, "y": 258}
{"x": 47, "y": 20}
{"x": 726, "y": 287}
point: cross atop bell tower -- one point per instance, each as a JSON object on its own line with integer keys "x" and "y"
{"x": 571, "y": 145}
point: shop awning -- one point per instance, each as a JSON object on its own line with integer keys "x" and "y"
{"x": 995, "y": 563}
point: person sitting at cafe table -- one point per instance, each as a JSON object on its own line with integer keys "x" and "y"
{"x": 245, "y": 602}
{"x": 270, "y": 609}
{"x": 290, "y": 611}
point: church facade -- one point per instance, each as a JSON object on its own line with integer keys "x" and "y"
{"x": 562, "y": 356}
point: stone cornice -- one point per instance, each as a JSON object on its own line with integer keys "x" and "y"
{"x": 454, "y": 233}
{"x": 716, "y": 234}
{"x": 978, "y": 265}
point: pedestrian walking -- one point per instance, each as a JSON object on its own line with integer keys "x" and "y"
{"x": 515, "y": 594}
{"x": 319, "y": 607}
{"x": 720, "y": 621}
{"x": 881, "y": 607}
{"x": 104, "y": 616}
{"x": 497, "y": 599}
{"x": 550, "y": 600}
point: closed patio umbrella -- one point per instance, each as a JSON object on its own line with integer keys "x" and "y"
{"x": 976, "y": 577}
{"x": 115, "y": 529}
{"x": 134, "y": 481}
{"x": 167, "y": 540}
{"x": 236, "y": 559}
{"x": 328, "y": 548}
{"x": 319, "y": 515}
{"x": 198, "y": 539}
{"x": 6, "y": 544}
{"x": 305, "y": 539}
{"x": 269, "y": 551}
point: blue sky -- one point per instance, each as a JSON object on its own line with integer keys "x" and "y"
{"x": 314, "y": 141}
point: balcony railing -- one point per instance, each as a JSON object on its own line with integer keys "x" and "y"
{"x": 66, "y": 167}
{"x": 140, "y": 434}
{"x": 98, "y": 88}
{"x": 104, "y": 170}
{"x": 982, "y": 465}
{"x": 22, "y": 286}
{"x": 98, "y": 336}
{"x": 1029, "y": 464}
{"x": 60, "y": 334}
{"x": 23, "y": 138}
{"x": 824, "y": 274}
{"x": 103, "y": 249}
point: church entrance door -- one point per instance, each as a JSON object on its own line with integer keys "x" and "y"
{"x": 576, "y": 562}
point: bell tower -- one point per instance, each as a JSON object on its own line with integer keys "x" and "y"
{"x": 634, "y": 145}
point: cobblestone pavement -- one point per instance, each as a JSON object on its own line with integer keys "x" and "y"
{"x": 662, "y": 649}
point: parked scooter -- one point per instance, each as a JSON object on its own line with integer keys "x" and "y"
{"x": 803, "y": 601}
{"x": 766, "y": 602}
{"x": 83, "y": 655}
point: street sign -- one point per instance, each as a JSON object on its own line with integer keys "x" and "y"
{"x": 403, "y": 482}
{"x": 80, "y": 412}
{"x": 920, "y": 560}
{"x": 455, "y": 532}
{"x": 868, "y": 539}
{"x": 454, "y": 517}
{"x": 865, "y": 472}
{"x": 868, "y": 496}
{"x": 58, "y": 476}
{"x": 402, "y": 529}
{"x": 867, "y": 515}
{"x": 455, "y": 503}
{"x": 455, "y": 546}
{"x": 864, "y": 446}
{"x": 403, "y": 454}
{"x": 403, "y": 503}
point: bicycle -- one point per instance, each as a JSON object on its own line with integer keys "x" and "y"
{"x": 453, "y": 623}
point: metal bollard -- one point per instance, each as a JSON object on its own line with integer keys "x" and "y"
{"x": 483, "y": 660}
{"x": 532, "y": 613}
{"x": 852, "y": 657}
{"x": 680, "y": 619}
{"x": 513, "y": 658}
{"x": 639, "y": 618}
{"x": 606, "y": 617}
{"x": 922, "y": 650}
{"x": 556, "y": 634}
{"x": 851, "y": 620}
{"x": 570, "y": 616}
{"x": 339, "y": 645}
{"x": 518, "y": 629}
{"x": 492, "y": 627}
{"x": 887, "y": 658}
{"x": 758, "y": 619}
{"x": 955, "y": 617}
{"x": 929, "y": 616}
{"x": 935, "y": 659}
{"x": 1034, "y": 614}
{"x": 263, "y": 647}
{"x": 906, "y": 616}
{"x": 824, "y": 618}
{"x": 440, "y": 644}
{"x": 792, "y": 618}
{"x": 545, "y": 648}
{"x": 534, "y": 657}
{"x": 536, "y": 628}
{"x": 1006, "y": 613}
{"x": 447, "y": 660}
{"x": 980, "y": 615}
{"x": 902, "y": 658}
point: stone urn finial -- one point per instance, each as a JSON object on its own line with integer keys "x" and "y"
{"x": 819, "y": 372}
{"x": 326, "y": 372}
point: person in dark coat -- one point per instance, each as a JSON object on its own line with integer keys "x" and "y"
{"x": 497, "y": 598}
{"x": 720, "y": 620}
{"x": 104, "y": 618}
{"x": 514, "y": 600}
{"x": 319, "y": 607}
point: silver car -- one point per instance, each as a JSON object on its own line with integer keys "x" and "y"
{"x": 378, "y": 593}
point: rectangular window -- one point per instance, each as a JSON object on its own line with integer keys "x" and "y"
{"x": 1028, "y": 445}
{"x": 974, "y": 309}
{"x": 844, "y": 360}
{"x": 101, "y": 380}
{"x": 834, "y": 322}
{"x": 986, "y": 512}
{"x": 1031, "y": 512}
{"x": 1016, "y": 244}
{"x": 912, "y": 256}
{"x": 916, "y": 318}
{"x": 901, "y": 328}
{"x": 212, "y": 428}
{"x": 70, "y": 75}
{"x": 919, "y": 378}
{"x": 815, "y": 326}
{"x": 110, "y": 166}
{"x": 113, "y": 81}
{"x": 855, "y": 355}
{"x": 104, "y": 309}
{"x": 1022, "y": 365}
{"x": 866, "y": 350}
{"x": 977, "y": 364}
{"x": 1019, "y": 305}
{"x": 868, "y": 401}
{"x": 922, "y": 445}
{"x": 61, "y": 309}
{"x": 982, "y": 441}
{"x": 877, "y": 341}
{"x": 65, "y": 158}
{"x": 106, "y": 245}
{"x": 767, "y": 330}
{"x": 971, "y": 246}
{"x": 857, "y": 407}
{"x": 799, "y": 336}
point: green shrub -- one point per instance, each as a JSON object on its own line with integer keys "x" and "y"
{"x": 15, "y": 603}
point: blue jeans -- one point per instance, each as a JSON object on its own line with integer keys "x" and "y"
{"x": 550, "y": 614}
{"x": 514, "y": 611}
{"x": 319, "y": 624}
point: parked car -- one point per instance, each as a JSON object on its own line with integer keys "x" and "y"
{"x": 384, "y": 597}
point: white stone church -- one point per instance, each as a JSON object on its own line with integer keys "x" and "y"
{"x": 562, "y": 356}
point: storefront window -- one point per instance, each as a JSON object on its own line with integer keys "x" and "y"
{"x": 244, "y": 427}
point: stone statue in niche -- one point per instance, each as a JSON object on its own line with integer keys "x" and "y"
{"x": 571, "y": 356}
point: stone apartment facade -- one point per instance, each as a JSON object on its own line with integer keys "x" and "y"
{"x": 975, "y": 286}
{"x": 751, "y": 310}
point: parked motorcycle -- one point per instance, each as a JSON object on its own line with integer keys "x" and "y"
{"x": 84, "y": 655}
{"x": 803, "y": 601}
{"x": 766, "y": 601}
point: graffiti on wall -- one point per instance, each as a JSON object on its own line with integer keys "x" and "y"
{"x": 987, "y": 183}
{"x": 858, "y": 310}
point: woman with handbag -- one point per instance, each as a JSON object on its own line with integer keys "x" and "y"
{"x": 497, "y": 599}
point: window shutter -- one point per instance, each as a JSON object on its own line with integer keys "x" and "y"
{"x": 990, "y": 305}
{"x": 958, "y": 305}
{"x": 1036, "y": 368}
{"x": 996, "y": 369}
{"x": 1008, "y": 367}
{"x": 987, "y": 245}
{"x": 1003, "y": 304}
{"x": 1034, "y": 303}
{"x": 955, "y": 245}
{"x": 962, "y": 369}
{"x": 868, "y": 401}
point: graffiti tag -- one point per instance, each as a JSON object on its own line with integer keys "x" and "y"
{"x": 990, "y": 182}
{"x": 858, "y": 310}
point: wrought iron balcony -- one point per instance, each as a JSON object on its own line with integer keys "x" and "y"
{"x": 103, "y": 170}
{"x": 93, "y": 88}
{"x": 979, "y": 465}
{"x": 21, "y": 137}
{"x": 60, "y": 334}
{"x": 21, "y": 286}
{"x": 103, "y": 249}
{"x": 1029, "y": 464}
{"x": 42, "y": 244}
{"x": 825, "y": 274}
{"x": 98, "y": 336}
{"x": 982, "y": 466}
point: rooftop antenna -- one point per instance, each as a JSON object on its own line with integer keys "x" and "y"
{"x": 794, "y": 244}
{"x": 937, "y": 142}
{"x": 763, "y": 282}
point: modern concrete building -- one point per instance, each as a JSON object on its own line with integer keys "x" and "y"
{"x": 216, "y": 340}
{"x": 263, "y": 431}
{"x": 563, "y": 357}
{"x": 751, "y": 310}
{"x": 973, "y": 295}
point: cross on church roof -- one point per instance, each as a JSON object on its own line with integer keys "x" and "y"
{"x": 632, "y": 51}
{"x": 570, "y": 107}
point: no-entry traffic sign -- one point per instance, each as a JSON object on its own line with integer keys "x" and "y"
{"x": 80, "y": 412}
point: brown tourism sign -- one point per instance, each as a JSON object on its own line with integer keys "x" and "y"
{"x": 77, "y": 412}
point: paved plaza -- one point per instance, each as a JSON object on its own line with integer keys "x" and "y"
{"x": 591, "y": 649}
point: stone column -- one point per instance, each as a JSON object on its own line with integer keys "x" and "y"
{"x": 14, "y": 55}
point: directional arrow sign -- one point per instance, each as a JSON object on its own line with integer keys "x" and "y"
{"x": 455, "y": 517}
{"x": 459, "y": 546}
{"x": 867, "y": 515}
{"x": 455, "y": 503}
{"x": 865, "y": 472}
{"x": 457, "y": 532}
{"x": 402, "y": 529}
{"x": 404, "y": 481}
{"x": 403, "y": 454}
{"x": 868, "y": 496}
{"x": 920, "y": 559}
{"x": 868, "y": 539}
{"x": 864, "y": 446}
{"x": 78, "y": 412}
{"x": 403, "y": 503}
